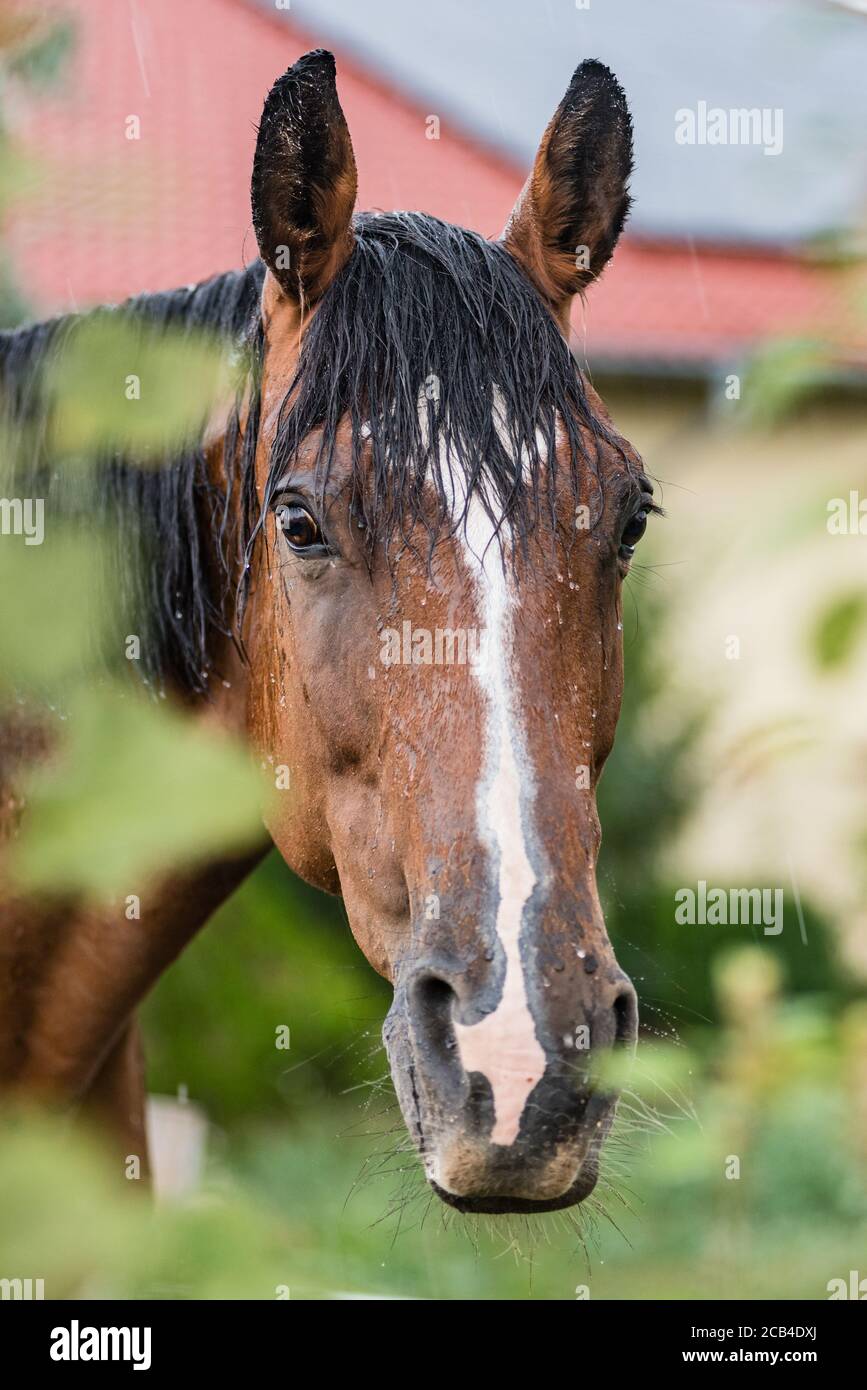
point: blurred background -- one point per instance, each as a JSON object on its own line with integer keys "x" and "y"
{"x": 729, "y": 340}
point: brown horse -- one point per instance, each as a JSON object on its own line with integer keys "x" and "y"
{"x": 418, "y": 520}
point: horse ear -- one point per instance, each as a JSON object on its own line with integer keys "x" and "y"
{"x": 568, "y": 218}
{"x": 304, "y": 179}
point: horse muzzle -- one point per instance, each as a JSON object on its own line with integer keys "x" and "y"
{"x": 501, "y": 1103}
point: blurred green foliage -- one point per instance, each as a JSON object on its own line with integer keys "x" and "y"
{"x": 838, "y": 630}
{"x": 331, "y": 1204}
{"x": 51, "y": 634}
{"x": 144, "y": 392}
{"x": 136, "y": 790}
{"x": 43, "y": 49}
{"x": 278, "y": 953}
{"x": 646, "y": 794}
{"x": 34, "y": 48}
{"x": 782, "y": 375}
{"x": 129, "y": 785}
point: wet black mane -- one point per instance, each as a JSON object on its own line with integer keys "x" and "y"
{"x": 422, "y": 312}
{"x": 436, "y": 346}
{"x": 174, "y": 557}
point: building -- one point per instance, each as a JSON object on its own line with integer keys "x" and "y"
{"x": 143, "y": 151}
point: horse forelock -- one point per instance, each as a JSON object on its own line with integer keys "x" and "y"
{"x": 432, "y": 342}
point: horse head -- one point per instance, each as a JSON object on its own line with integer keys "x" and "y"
{"x": 433, "y": 623}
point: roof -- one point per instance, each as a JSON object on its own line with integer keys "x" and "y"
{"x": 499, "y": 67}
{"x": 114, "y": 216}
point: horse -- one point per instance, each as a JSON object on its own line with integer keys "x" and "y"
{"x": 414, "y": 456}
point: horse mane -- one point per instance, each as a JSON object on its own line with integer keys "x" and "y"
{"x": 433, "y": 343}
{"x": 168, "y": 589}
{"x": 436, "y": 346}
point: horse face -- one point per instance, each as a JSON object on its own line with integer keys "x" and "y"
{"x": 446, "y": 709}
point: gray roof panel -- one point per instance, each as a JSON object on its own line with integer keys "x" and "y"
{"x": 499, "y": 67}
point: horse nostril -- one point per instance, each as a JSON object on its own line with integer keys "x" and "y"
{"x": 432, "y": 1007}
{"x": 625, "y": 1008}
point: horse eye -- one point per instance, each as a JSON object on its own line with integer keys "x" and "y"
{"x": 298, "y": 526}
{"x": 633, "y": 531}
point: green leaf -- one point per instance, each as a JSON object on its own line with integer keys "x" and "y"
{"x": 135, "y": 389}
{"x": 839, "y": 629}
{"x": 20, "y": 174}
{"x": 137, "y": 788}
{"x": 44, "y": 52}
{"x": 782, "y": 375}
{"x": 55, "y": 608}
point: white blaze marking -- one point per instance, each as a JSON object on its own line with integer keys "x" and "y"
{"x": 503, "y": 1046}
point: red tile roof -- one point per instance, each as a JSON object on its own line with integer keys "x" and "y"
{"x": 114, "y": 216}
